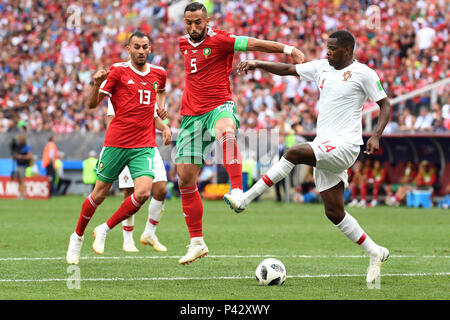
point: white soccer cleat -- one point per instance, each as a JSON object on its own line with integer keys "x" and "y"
{"x": 376, "y": 261}
{"x": 362, "y": 204}
{"x": 195, "y": 251}
{"x": 153, "y": 241}
{"x": 74, "y": 249}
{"x": 373, "y": 203}
{"x": 236, "y": 201}
{"x": 100, "y": 237}
{"x": 129, "y": 247}
{"x": 353, "y": 203}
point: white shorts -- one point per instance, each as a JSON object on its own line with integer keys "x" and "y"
{"x": 333, "y": 158}
{"x": 125, "y": 180}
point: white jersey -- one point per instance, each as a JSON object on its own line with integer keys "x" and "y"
{"x": 342, "y": 95}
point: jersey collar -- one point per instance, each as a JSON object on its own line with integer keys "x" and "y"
{"x": 143, "y": 74}
{"x": 196, "y": 44}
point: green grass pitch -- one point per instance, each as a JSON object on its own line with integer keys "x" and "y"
{"x": 321, "y": 263}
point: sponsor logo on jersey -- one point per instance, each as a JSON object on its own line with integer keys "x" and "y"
{"x": 130, "y": 81}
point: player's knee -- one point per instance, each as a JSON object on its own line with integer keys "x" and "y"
{"x": 187, "y": 178}
{"x": 300, "y": 154}
{"x": 160, "y": 193}
{"x": 141, "y": 195}
{"x": 335, "y": 215}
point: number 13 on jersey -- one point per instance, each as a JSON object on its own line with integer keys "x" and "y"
{"x": 144, "y": 96}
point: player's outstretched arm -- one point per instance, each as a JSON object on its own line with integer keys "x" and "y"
{"x": 95, "y": 96}
{"x": 254, "y": 44}
{"x": 282, "y": 69}
{"x": 373, "y": 144}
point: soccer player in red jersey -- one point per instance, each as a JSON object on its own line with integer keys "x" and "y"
{"x": 209, "y": 112}
{"x": 133, "y": 87}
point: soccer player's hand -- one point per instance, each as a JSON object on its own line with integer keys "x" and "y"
{"x": 245, "y": 66}
{"x": 100, "y": 76}
{"x": 162, "y": 113}
{"x": 372, "y": 146}
{"x": 297, "y": 56}
{"x": 167, "y": 136}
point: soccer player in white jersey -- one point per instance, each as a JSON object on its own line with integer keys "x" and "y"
{"x": 344, "y": 86}
{"x": 159, "y": 188}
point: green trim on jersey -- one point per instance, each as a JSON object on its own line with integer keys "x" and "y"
{"x": 241, "y": 43}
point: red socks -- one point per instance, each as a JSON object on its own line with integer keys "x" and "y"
{"x": 128, "y": 207}
{"x": 232, "y": 159}
{"x": 87, "y": 211}
{"x": 192, "y": 206}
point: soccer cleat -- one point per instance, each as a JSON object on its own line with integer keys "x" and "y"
{"x": 100, "y": 236}
{"x": 195, "y": 251}
{"x": 373, "y": 203}
{"x": 376, "y": 261}
{"x": 362, "y": 204}
{"x": 236, "y": 202}
{"x": 153, "y": 241}
{"x": 353, "y": 203}
{"x": 129, "y": 247}
{"x": 74, "y": 249}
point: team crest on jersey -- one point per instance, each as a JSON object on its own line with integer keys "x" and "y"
{"x": 206, "y": 52}
{"x": 155, "y": 85}
{"x": 347, "y": 75}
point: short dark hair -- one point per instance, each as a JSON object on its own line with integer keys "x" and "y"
{"x": 138, "y": 34}
{"x": 344, "y": 38}
{"x": 194, "y": 6}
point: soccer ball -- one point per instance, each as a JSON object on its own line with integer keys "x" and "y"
{"x": 271, "y": 272}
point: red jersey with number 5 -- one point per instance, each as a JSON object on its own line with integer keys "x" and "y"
{"x": 207, "y": 66}
{"x": 133, "y": 95}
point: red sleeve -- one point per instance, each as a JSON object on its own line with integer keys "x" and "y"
{"x": 227, "y": 41}
{"x": 109, "y": 85}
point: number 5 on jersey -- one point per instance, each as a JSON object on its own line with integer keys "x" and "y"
{"x": 144, "y": 96}
{"x": 193, "y": 65}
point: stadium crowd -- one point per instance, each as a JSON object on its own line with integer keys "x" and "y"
{"x": 48, "y": 57}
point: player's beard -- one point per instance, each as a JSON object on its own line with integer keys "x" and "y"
{"x": 140, "y": 62}
{"x": 199, "y": 36}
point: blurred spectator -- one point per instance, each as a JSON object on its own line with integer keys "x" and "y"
{"x": 49, "y": 157}
{"x": 62, "y": 182}
{"x": 206, "y": 175}
{"x": 407, "y": 121}
{"x": 89, "y": 175}
{"x": 307, "y": 192}
{"x": 378, "y": 179}
{"x": 397, "y": 192}
{"x": 361, "y": 173}
{"x": 46, "y": 67}
{"x": 22, "y": 156}
{"x": 424, "y": 121}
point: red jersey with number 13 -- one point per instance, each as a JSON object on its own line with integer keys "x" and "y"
{"x": 133, "y": 95}
{"x": 207, "y": 66}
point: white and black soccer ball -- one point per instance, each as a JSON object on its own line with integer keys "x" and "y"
{"x": 271, "y": 272}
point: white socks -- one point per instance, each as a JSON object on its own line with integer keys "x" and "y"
{"x": 350, "y": 227}
{"x": 128, "y": 226}
{"x": 154, "y": 215}
{"x": 275, "y": 174}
